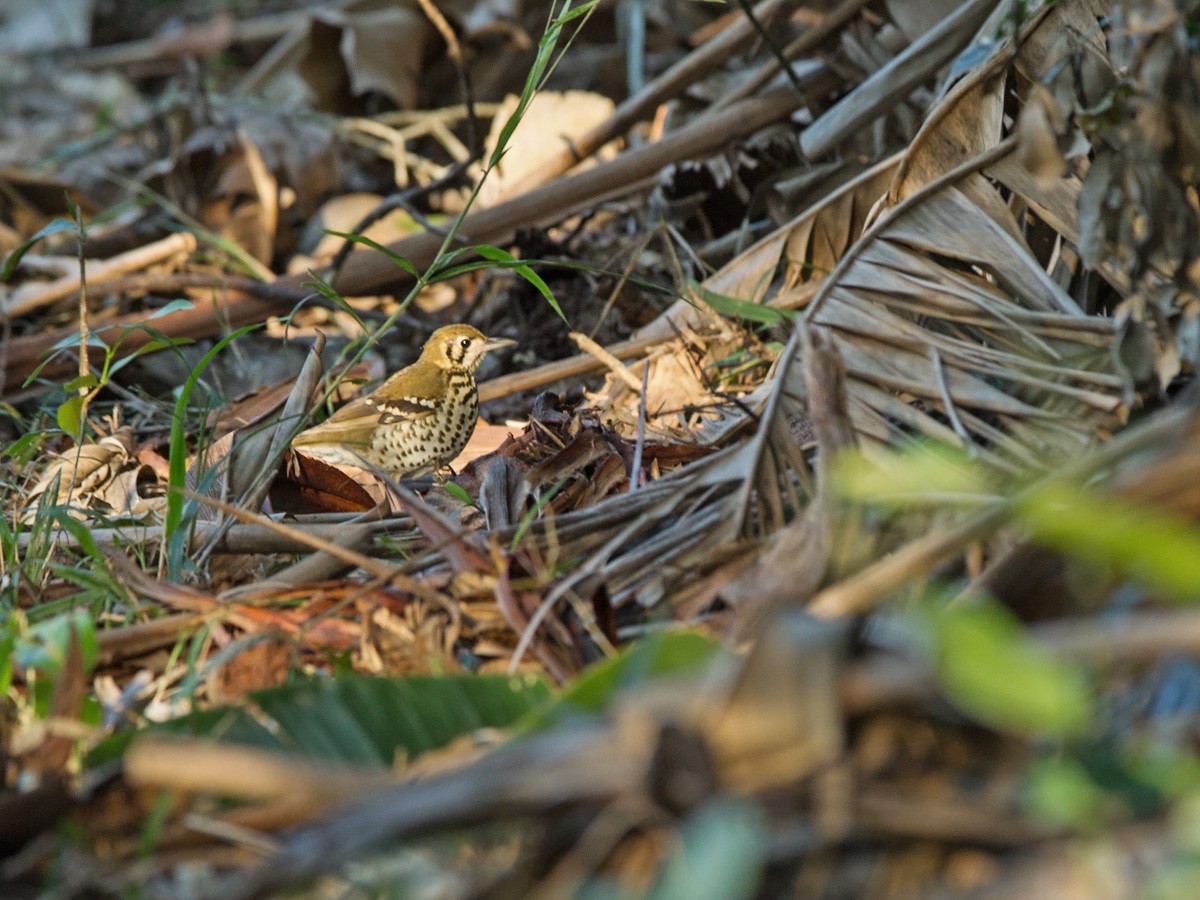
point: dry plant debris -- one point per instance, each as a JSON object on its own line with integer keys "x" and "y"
{"x": 830, "y": 531}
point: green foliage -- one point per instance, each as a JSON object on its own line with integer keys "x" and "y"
{"x": 458, "y": 492}
{"x": 989, "y": 667}
{"x": 724, "y": 844}
{"x": 1157, "y": 549}
{"x": 81, "y": 389}
{"x": 506, "y": 259}
{"x": 541, "y": 67}
{"x": 656, "y": 654}
{"x": 531, "y": 514}
{"x": 176, "y": 537}
{"x": 720, "y": 857}
{"x": 56, "y": 226}
{"x": 733, "y": 308}
{"x": 1061, "y": 793}
{"x": 1152, "y": 547}
{"x": 901, "y": 478}
{"x": 38, "y": 650}
{"x": 363, "y": 240}
{"x": 360, "y": 720}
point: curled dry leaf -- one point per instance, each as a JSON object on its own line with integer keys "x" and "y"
{"x": 101, "y": 477}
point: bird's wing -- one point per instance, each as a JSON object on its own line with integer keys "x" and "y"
{"x": 384, "y": 406}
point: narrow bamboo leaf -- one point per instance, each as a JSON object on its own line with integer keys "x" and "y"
{"x": 365, "y": 241}
{"x": 496, "y": 254}
{"x": 149, "y": 347}
{"x": 733, "y": 308}
{"x": 72, "y": 340}
{"x": 585, "y": 8}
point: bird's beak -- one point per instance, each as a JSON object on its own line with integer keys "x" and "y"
{"x": 497, "y": 343}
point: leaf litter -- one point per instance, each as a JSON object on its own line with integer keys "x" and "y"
{"x": 832, "y": 531}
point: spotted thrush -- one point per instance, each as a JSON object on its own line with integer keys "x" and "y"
{"x": 418, "y": 420}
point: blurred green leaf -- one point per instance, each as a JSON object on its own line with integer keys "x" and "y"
{"x": 43, "y": 647}
{"x": 896, "y": 477}
{"x": 658, "y": 653}
{"x": 70, "y": 415}
{"x": 992, "y": 670}
{"x": 57, "y": 226}
{"x": 362, "y": 720}
{"x": 1060, "y": 793}
{"x": 10, "y": 630}
{"x": 24, "y": 447}
{"x": 722, "y": 855}
{"x": 176, "y": 305}
{"x": 1160, "y": 550}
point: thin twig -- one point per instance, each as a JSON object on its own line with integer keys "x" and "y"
{"x": 639, "y": 447}
{"x": 610, "y": 362}
{"x": 776, "y": 50}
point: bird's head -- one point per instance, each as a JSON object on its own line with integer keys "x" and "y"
{"x": 460, "y": 347}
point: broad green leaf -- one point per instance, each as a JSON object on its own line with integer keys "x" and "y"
{"x": 23, "y": 448}
{"x": 992, "y": 670}
{"x": 87, "y": 381}
{"x": 226, "y": 725}
{"x": 43, "y": 647}
{"x": 1060, "y": 793}
{"x": 70, "y": 415}
{"x": 57, "y": 226}
{"x": 1160, "y": 550}
{"x": 362, "y": 720}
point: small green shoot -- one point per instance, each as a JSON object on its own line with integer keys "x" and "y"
{"x": 534, "y": 511}
{"x": 458, "y": 492}
{"x": 177, "y": 457}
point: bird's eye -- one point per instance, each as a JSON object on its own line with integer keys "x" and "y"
{"x": 465, "y": 343}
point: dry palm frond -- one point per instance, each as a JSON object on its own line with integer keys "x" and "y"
{"x": 949, "y": 326}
